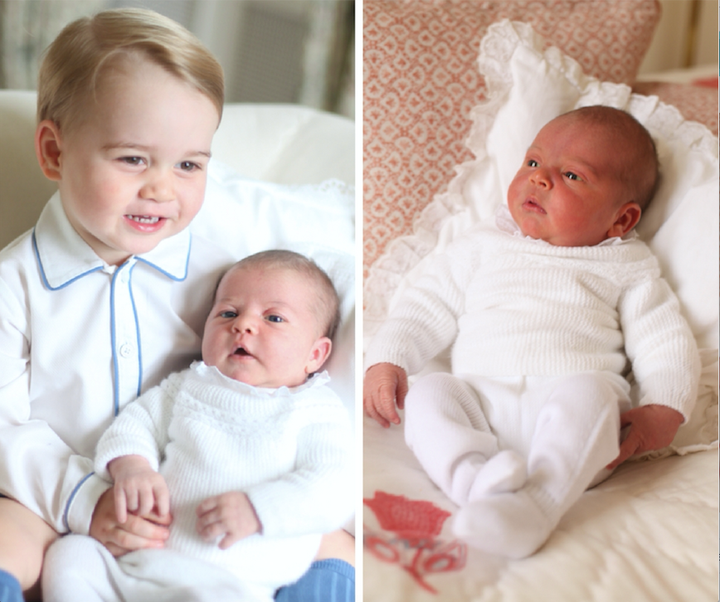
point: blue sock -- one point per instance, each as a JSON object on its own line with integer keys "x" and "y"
{"x": 10, "y": 590}
{"x": 330, "y": 580}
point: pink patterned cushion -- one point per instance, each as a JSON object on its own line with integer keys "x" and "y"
{"x": 695, "y": 102}
{"x": 421, "y": 80}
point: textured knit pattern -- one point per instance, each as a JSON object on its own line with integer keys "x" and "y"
{"x": 517, "y": 306}
{"x": 289, "y": 450}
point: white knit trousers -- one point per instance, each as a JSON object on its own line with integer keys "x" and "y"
{"x": 515, "y": 453}
{"x": 79, "y": 569}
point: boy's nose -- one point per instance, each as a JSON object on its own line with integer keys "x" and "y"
{"x": 158, "y": 188}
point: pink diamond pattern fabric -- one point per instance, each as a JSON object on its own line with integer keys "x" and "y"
{"x": 421, "y": 81}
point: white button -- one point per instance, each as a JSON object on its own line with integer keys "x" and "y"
{"x": 126, "y": 350}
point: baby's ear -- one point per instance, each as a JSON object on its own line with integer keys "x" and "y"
{"x": 626, "y": 219}
{"x": 47, "y": 149}
{"x": 318, "y": 354}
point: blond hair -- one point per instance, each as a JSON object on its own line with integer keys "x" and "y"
{"x": 327, "y": 308}
{"x": 74, "y": 62}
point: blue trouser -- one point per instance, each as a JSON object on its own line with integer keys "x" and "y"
{"x": 329, "y": 580}
{"x": 9, "y": 588}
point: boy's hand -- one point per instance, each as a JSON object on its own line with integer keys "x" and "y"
{"x": 651, "y": 427}
{"x": 230, "y": 514}
{"x": 138, "y": 488}
{"x": 385, "y": 384}
{"x": 135, "y": 533}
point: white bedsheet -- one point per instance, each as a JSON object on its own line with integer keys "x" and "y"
{"x": 649, "y": 533}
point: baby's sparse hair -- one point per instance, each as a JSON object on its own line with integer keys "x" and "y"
{"x": 327, "y": 309}
{"x": 642, "y": 175}
{"x": 73, "y": 63}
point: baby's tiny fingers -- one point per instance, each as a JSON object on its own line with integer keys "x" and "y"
{"x": 206, "y": 505}
{"x": 120, "y": 505}
{"x": 386, "y": 408}
{"x": 376, "y": 416}
{"x": 209, "y": 531}
{"x": 228, "y": 541}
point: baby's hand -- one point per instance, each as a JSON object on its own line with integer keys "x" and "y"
{"x": 385, "y": 384}
{"x": 651, "y": 427}
{"x": 230, "y": 514}
{"x": 138, "y": 488}
{"x": 136, "y": 533}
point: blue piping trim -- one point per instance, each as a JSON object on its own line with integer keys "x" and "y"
{"x": 72, "y": 497}
{"x": 137, "y": 332}
{"x": 113, "y": 345}
{"x": 168, "y": 274}
{"x": 42, "y": 269}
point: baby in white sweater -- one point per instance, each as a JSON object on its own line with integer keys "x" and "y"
{"x": 543, "y": 312}
{"x": 249, "y": 450}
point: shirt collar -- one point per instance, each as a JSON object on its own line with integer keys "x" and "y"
{"x": 63, "y": 256}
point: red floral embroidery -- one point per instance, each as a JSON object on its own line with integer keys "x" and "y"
{"x": 416, "y": 525}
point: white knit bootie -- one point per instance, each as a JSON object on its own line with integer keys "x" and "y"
{"x": 576, "y": 436}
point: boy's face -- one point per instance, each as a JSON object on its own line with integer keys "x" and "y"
{"x": 568, "y": 191}
{"x": 262, "y": 329}
{"x": 132, "y": 171}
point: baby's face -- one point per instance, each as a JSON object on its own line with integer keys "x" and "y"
{"x": 133, "y": 169}
{"x": 262, "y": 330}
{"x": 568, "y": 191}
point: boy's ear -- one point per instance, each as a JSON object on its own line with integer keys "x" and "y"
{"x": 47, "y": 149}
{"x": 318, "y": 354}
{"x": 627, "y": 217}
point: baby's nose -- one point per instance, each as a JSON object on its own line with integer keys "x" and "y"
{"x": 540, "y": 177}
{"x": 245, "y": 323}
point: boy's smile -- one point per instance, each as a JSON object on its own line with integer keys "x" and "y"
{"x": 132, "y": 171}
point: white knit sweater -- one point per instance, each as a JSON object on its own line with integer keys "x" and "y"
{"x": 513, "y": 305}
{"x": 289, "y": 450}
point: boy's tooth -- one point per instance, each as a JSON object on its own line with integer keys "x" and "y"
{"x": 145, "y": 220}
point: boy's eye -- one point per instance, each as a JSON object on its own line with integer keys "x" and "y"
{"x": 274, "y": 318}
{"x": 132, "y": 160}
{"x": 532, "y": 163}
{"x": 228, "y": 314}
{"x": 188, "y": 166}
{"x": 571, "y": 176}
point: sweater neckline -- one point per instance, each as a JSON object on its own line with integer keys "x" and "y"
{"x": 214, "y": 375}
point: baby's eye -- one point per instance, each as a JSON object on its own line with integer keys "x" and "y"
{"x": 532, "y": 163}
{"x": 228, "y": 314}
{"x": 571, "y": 176}
{"x": 274, "y": 318}
{"x": 132, "y": 160}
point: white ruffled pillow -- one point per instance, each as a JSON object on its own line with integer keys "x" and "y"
{"x": 527, "y": 87}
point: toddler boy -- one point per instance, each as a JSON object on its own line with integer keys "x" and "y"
{"x": 543, "y": 311}
{"x": 106, "y": 295}
{"x": 251, "y": 445}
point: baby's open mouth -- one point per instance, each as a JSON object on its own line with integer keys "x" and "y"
{"x": 241, "y": 351}
{"x": 533, "y": 206}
